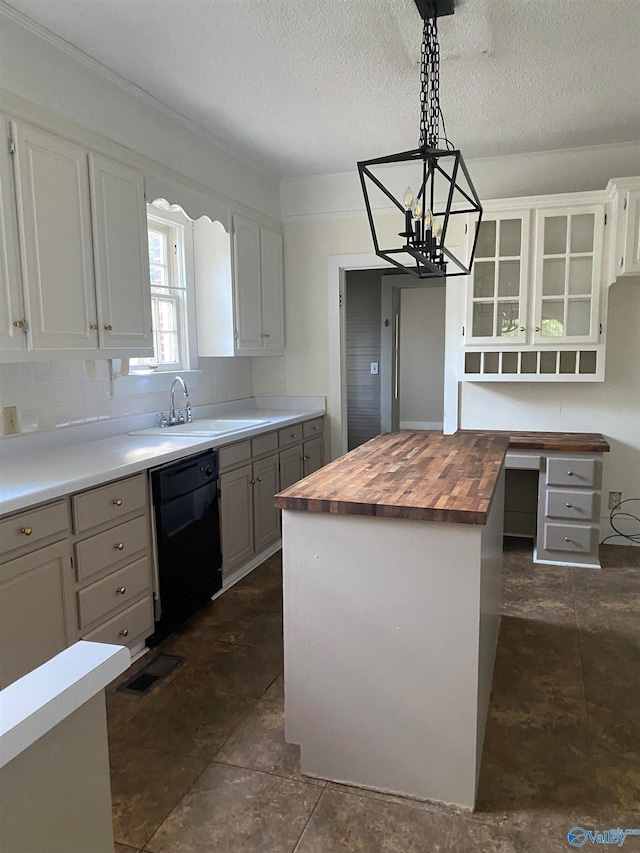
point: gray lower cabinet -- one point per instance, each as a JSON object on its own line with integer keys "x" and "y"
{"x": 291, "y": 467}
{"x": 569, "y": 510}
{"x": 37, "y": 610}
{"x": 112, "y": 562}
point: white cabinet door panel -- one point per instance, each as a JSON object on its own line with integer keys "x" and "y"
{"x": 12, "y": 337}
{"x": 52, "y": 187}
{"x": 121, "y": 256}
{"x": 247, "y": 287}
{"x": 272, "y": 290}
{"x": 631, "y": 254}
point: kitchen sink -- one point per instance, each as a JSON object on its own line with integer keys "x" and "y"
{"x": 204, "y": 427}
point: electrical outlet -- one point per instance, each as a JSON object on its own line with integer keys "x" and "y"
{"x": 10, "y": 420}
{"x": 614, "y": 499}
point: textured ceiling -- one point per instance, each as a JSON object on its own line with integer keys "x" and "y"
{"x": 311, "y": 86}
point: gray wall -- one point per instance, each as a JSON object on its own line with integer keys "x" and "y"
{"x": 362, "y": 347}
{"x": 422, "y": 357}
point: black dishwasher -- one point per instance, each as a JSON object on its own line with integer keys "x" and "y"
{"x": 185, "y": 501}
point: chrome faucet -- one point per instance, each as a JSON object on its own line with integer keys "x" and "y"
{"x": 180, "y": 416}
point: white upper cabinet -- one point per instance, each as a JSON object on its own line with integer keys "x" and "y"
{"x": 497, "y": 299}
{"x": 625, "y": 256}
{"x": 247, "y": 284}
{"x": 568, "y": 275}
{"x": 52, "y": 188}
{"x": 258, "y": 288}
{"x": 121, "y": 255}
{"x": 81, "y": 222}
{"x": 12, "y": 317}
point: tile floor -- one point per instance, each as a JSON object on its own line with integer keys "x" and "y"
{"x": 200, "y": 763}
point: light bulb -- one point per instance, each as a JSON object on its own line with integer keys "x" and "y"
{"x": 437, "y": 230}
{"x": 428, "y": 218}
{"x": 417, "y": 209}
{"x": 408, "y": 198}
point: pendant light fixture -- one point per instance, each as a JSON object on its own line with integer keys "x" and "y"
{"x": 439, "y": 194}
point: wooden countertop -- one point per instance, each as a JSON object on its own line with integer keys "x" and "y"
{"x": 419, "y": 475}
{"x": 572, "y": 442}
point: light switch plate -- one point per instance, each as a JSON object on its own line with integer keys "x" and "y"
{"x": 374, "y": 368}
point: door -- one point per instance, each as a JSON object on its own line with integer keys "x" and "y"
{"x": 266, "y": 516}
{"x": 54, "y": 221}
{"x": 121, "y": 256}
{"x": 12, "y": 319}
{"x": 246, "y": 284}
{"x": 272, "y": 290}
{"x": 37, "y": 612}
{"x": 313, "y": 455}
{"x": 290, "y": 466}
{"x": 236, "y": 518}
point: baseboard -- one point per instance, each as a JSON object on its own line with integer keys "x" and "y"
{"x": 437, "y": 425}
{"x": 243, "y": 571}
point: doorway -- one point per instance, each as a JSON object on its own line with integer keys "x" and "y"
{"x": 394, "y": 351}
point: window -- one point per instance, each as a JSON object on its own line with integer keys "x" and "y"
{"x": 168, "y": 297}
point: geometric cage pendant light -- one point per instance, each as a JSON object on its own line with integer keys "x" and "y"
{"x": 430, "y": 189}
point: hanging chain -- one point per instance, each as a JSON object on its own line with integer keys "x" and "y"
{"x": 430, "y": 84}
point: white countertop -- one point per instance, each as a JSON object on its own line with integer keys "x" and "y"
{"x": 57, "y": 472}
{"x": 35, "y": 703}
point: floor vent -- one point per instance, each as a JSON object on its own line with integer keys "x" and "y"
{"x": 147, "y": 678}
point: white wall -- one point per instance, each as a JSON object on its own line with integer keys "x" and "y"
{"x": 422, "y": 357}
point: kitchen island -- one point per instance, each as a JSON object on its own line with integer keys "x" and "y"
{"x": 392, "y": 559}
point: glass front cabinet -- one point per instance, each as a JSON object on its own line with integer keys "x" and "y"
{"x": 535, "y": 293}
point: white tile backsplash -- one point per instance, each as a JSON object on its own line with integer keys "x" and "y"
{"x": 50, "y": 395}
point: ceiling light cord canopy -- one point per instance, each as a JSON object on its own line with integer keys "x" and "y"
{"x": 437, "y": 170}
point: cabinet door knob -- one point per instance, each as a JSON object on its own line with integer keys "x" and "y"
{"x": 19, "y": 324}
{"x": 569, "y": 505}
{"x": 567, "y": 539}
{"x": 252, "y": 482}
{"x": 537, "y": 328}
{"x": 569, "y": 473}
{"x": 27, "y": 531}
{"x": 306, "y": 457}
{"x": 124, "y": 632}
{"x": 259, "y": 479}
{"x": 119, "y": 546}
{"x": 263, "y": 335}
{"x": 522, "y": 328}
{"x": 117, "y": 502}
{"x": 93, "y": 327}
{"x": 121, "y": 590}
{"x": 108, "y": 328}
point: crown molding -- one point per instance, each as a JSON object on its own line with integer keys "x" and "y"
{"x": 138, "y": 92}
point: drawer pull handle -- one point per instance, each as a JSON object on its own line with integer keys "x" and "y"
{"x": 294, "y": 435}
{"x": 569, "y": 506}
{"x": 117, "y": 502}
{"x": 567, "y": 539}
{"x": 569, "y": 473}
{"x": 119, "y": 546}
{"x": 27, "y": 531}
{"x": 124, "y": 632}
{"x": 316, "y": 429}
{"x": 121, "y": 590}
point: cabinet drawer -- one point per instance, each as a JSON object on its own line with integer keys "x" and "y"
{"x": 289, "y": 435}
{"x": 234, "y": 454}
{"x": 97, "y": 553}
{"x": 125, "y": 626}
{"x": 42, "y": 522}
{"x": 571, "y": 538}
{"x": 577, "y": 506}
{"x": 264, "y": 443}
{"x": 110, "y": 502}
{"x": 568, "y": 471}
{"x": 116, "y": 590}
{"x": 311, "y": 429}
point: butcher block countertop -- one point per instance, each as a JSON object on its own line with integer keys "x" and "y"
{"x": 419, "y": 475}
{"x": 571, "y": 442}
